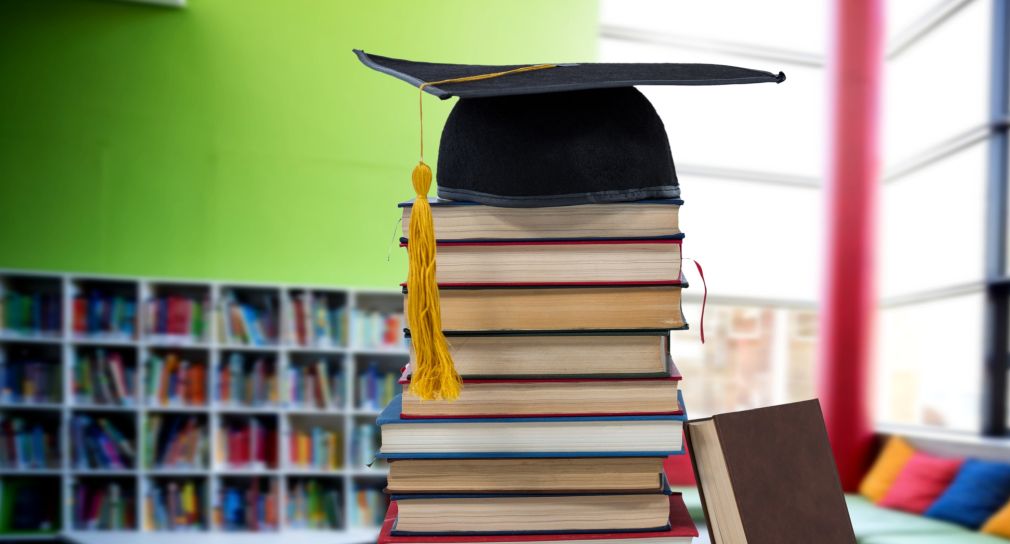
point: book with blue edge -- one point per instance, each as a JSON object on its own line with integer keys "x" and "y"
{"x": 531, "y": 437}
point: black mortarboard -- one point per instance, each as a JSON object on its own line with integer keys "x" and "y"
{"x": 568, "y": 134}
{"x": 531, "y": 136}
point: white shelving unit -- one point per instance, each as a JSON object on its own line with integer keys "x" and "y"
{"x": 354, "y": 359}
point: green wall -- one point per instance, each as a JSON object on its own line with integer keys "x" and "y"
{"x": 233, "y": 139}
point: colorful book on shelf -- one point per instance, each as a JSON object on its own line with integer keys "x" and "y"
{"x": 32, "y": 314}
{"x": 559, "y": 262}
{"x": 175, "y": 380}
{"x": 100, "y": 444}
{"x": 681, "y": 530}
{"x": 30, "y": 382}
{"x": 561, "y": 354}
{"x": 174, "y": 505}
{"x": 523, "y": 308}
{"x": 177, "y": 318}
{"x": 459, "y": 220}
{"x": 600, "y": 436}
{"x": 315, "y": 448}
{"x": 102, "y": 377}
{"x": 247, "y": 443}
{"x": 247, "y": 507}
{"x": 311, "y": 506}
{"x": 27, "y": 444}
{"x": 537, "y": 513}
{"x": 368, "y": 505}
{"x": 377, "y": 387}
{"x": 377, "y": 330}
{"x": 313, "y": 322}
{"x": 106, "y": 506}
{"x": 551, "y": 397}
{"x": 253, "y": 385}
{"x": 175, "y": 441}
{"x": 247, "y": 324}
{"x": 756, "y": 468}
{"x": 503, "y": 475}
{"x": 365, "y": 445}
{"x": 98, "y": 314}
{"x": 315, "y": 385}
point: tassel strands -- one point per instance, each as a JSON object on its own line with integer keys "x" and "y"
{"x": 434, "y": 375}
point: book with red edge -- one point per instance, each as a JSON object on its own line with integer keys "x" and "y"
{"x": 681, "y": 531}
{"x": 559, "y": 262}
{"x": 551, "y": 397}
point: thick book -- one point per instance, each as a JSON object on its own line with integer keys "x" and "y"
{"x": 602, "y": 307}
{"x": 542, "y": 513}
{"x": 681, "y": 531}
{"x": 558, "y": 475}
{"x": 559, "y": 354}
{"x": 601, "y": 436}
{"x": 768, "y": 476}
{"x": 557, "y": 262}
{"x": 550, "y": 397}
{"x": 456, "y": 220}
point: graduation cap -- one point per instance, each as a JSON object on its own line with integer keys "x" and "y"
{"x": 534, "y": 135}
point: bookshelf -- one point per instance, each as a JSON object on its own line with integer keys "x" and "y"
{"x": 208, "y": 393}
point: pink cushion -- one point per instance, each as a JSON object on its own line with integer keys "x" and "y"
{"x": 921, "y": 482}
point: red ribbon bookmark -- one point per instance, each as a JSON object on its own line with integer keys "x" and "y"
{"x": 704, "y": 300}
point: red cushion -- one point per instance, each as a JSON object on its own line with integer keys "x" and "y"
{"x": 921, "y": 482}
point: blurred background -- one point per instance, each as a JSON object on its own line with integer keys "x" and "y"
{"x": 240, "y": 141}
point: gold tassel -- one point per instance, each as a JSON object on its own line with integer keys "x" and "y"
{"x": 433, "y": 375}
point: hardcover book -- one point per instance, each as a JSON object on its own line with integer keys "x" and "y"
{"x": 547, "y": 262}
{"x": 560, "y": 308}
{"x": 767, "y": 476}
{"x": 681, "y": 531}
{"x": 558, "y": 475}
{"x": 543, "y": 513}
{"x": 550, "y": 397}
{"x": 593, "y": 436}
{"x": 460, "y": 220}
{"x": 561, "y": 354}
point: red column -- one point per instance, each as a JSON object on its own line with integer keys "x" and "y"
{"x": 849, "y": 301}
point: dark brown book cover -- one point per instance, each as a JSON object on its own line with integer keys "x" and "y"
{"x": 783, "y": 475}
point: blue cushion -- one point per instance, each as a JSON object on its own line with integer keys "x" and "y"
{"x": 977, "y": 492}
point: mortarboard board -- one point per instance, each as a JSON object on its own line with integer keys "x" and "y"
{"x": 533, "y": 136}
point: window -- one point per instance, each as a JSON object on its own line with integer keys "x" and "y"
{"x": 764, "y": 145}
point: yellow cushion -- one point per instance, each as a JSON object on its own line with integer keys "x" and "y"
{"x": 885, "y": 470}
{"x": 999, "y": 523}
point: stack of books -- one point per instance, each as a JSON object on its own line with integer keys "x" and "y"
{"x": 558, "y": 321}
